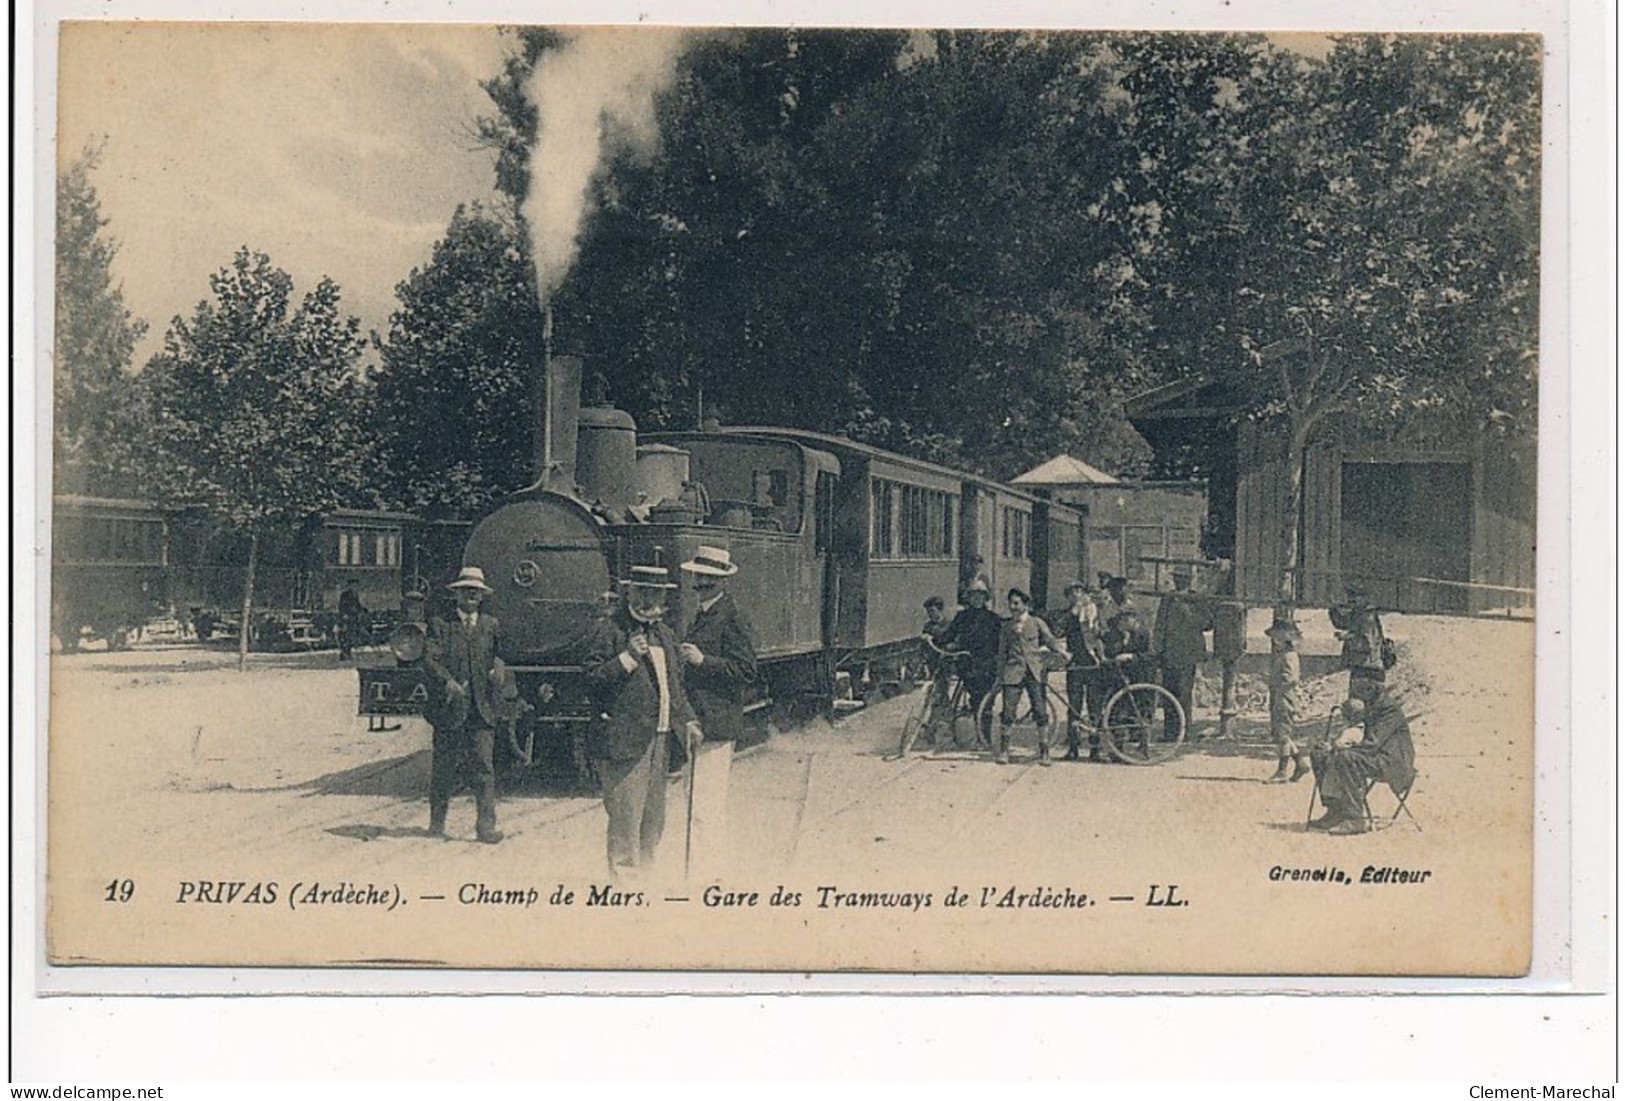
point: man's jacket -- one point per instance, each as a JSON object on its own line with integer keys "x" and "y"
{"x": 1182, "y": 620}
{"x": 716, "y": 686}
{"x": 1388, "y": 738}
{"x": 470, "y": 658}
{"x": 629, "y": 698}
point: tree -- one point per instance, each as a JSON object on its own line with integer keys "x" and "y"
{"x": 864, "y": 231}
{"x": 254, "y": 406}
{"x": 1362, "y": 250}
{"x": 96, "y": 335}
{"x": 450, "y": 403}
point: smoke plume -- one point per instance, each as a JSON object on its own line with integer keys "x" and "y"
{"x": 596, "y": 91}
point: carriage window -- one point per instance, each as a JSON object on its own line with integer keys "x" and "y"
{"x": 882, "y": 502}
{"x": 1015, "y": 534}
{"x": 911, "y": 521}
{"x": 824, "y": 511}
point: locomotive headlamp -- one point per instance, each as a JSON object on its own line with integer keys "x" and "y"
{"x": 406, "y": 642}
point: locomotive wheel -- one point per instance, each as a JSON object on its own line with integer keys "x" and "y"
{"x": 1135, "y": 727}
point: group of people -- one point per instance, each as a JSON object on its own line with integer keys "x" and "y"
{"x": 659, "y": 697}
{"x": 1101, "y": 639}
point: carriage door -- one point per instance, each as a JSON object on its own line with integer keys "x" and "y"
{"x": 823, "y": 540}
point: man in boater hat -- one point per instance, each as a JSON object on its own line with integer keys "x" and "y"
{"x": 719, "y": 654}
{"x": 462, "y": 652}
{"x": 632, "y": 662}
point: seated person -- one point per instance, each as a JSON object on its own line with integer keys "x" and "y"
{"x": 1384, "y": 752}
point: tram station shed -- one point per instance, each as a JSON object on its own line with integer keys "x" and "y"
{"x": 1429, "y": 517}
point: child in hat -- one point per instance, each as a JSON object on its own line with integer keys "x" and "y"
{"x": 1286, "y": 704}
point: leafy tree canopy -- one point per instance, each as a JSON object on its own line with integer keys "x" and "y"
{"x": 254, "y": 400}
{"x": 94, "y": 430}
{"x": 449, "y": 402}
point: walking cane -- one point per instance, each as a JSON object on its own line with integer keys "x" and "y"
{"x": 688, "y": 826}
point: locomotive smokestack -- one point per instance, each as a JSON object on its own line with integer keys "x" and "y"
{"x": 557, "y": 405}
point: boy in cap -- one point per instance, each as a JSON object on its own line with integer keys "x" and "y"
{"x": 1024, "y": 640}
{"x": 462, "y": 651}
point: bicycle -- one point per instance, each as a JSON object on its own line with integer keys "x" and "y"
{"x": 1133, "y": 728}
{"x": 944, "y": 703}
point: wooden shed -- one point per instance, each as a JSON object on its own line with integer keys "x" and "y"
{"x": 1434, "y": 518}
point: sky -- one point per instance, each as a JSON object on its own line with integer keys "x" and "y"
{"x": 338, "y": 151}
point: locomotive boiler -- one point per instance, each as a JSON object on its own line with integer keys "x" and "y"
{"x": 837, "y": 544}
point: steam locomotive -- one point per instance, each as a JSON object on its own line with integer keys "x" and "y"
{"x": 837, "y": 544}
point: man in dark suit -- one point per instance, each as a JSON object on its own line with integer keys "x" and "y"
{"x": 633, "y": 664}
{"x": 351, "y": 616}
{"x": 1079, "y": 626}
{"x": 719, "y": 654}
{"x": 462, "y": 652}
{"x": 1180, "y": 636}
{"x": 975, "y": 631}
{"x": 1385, "y": 752}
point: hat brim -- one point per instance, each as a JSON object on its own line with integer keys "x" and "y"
{"x": 475, "y": 585}
{"x": 631, "y": 584}
{"x": 707, "y": 570}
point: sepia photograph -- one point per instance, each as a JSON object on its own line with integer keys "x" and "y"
{"x": 793, "y": 499}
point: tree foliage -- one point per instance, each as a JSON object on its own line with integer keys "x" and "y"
{"x": 449, "y": 403}
{"x": 254, "y": 403}
{"x": 863, "y": 231}
{"x": 969, "y": 246}
{"x": 1360, "y": 247}
{"x": 94, "y": 430}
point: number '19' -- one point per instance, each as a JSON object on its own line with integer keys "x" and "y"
{"x": 120, "y": 890}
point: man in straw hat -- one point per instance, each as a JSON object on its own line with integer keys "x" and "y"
{"x": 462, "y": 652}
{"x": 719, "y": 656}
{"x": 632, "y": 661}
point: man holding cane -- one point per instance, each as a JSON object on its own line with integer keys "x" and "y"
{"x": 633, "y": 663}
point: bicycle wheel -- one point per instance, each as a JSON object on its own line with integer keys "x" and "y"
{"x": 916, "y": 720}
{"x": 1135, "y": 729}
{"x": 987, "y": 718}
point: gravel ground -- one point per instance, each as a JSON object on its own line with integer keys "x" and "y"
{"x": 170, "y": 768}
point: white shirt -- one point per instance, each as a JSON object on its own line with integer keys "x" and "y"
{"x": 706, "y": 605}
{"x": 657, "y": 655}
{"x": 469, "y": 618}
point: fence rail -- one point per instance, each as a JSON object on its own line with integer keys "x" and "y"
{"x": 1418, "y": 595}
